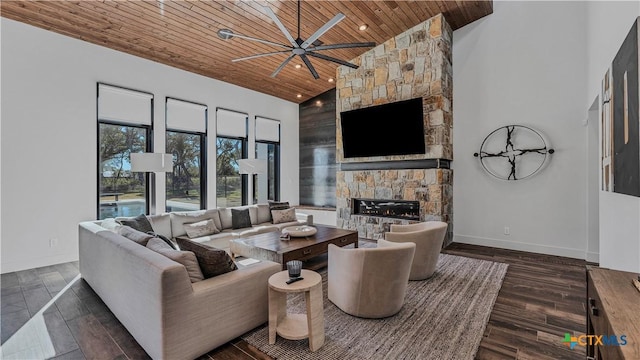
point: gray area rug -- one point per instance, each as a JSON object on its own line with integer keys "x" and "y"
{"x": 443, "y": 317}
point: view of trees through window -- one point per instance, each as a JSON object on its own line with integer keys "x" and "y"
{"x": 122, "y": 193}
{"x": 265, "y": 186}
{"x": 185, "y": 183}
{"x": 229, "y": 184}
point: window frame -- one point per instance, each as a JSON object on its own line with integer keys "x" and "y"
{"x": 203, "y": 165}
{"x": 148, "y": 148}
{"x": 276, "y": 177}
{"x": 244, "y": 183}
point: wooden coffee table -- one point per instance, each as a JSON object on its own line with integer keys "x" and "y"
{"x": 269, "y": 246}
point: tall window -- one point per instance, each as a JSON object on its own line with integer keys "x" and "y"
{"x": 186, "y": 184}
{"x": 230, "y": 185}
{"x": 186, "y": 141}
{"x": 122, "y": 192}
{"x": 231, "y": 141}
{"x": 124, "y": 127}
{"x": 267, "y": 186}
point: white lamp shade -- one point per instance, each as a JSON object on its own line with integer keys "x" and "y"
{"x": 151, "y": 162}
{"x": 252, "y": 166}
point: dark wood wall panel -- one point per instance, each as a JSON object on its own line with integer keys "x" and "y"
{"x": 318, "y": 150}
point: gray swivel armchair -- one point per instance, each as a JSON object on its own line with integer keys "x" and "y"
{"x": 370, "y": 282}
{"x": 428, "y": 237}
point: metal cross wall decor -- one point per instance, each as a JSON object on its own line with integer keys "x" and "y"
{"x": 520, "y": 153}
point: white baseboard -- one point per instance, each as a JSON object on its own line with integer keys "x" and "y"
{"x": 593, "y": 257}
{"x": 518, "y": 246}
{"x": 18, "y": 265}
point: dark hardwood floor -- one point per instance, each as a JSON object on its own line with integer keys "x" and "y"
{"x": 50, "y": 313}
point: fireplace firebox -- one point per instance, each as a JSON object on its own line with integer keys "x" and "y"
{"x": 399, "y": 209}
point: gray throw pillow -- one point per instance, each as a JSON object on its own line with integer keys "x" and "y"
{"x": 134, "y": 235}
{"x": 165, "y": 239}
{"x": 213, "y": 262}
{"x": 140, "y": 223}
{"x": 240, "y": 218}
{"x": 186, "y": 258}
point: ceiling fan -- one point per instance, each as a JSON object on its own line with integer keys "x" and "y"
{"x": 300, "y": 47}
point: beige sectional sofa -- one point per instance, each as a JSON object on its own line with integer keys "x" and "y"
{"x": 153, "y": 297}
{"x": 171, "y": 224}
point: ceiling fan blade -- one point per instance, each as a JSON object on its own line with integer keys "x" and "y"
{"x": 232, "y": 35}
{"x": 311, "y": 68}
{"x": 284, "y": 63}
{"x": 260, "y": 55}
{"x": 329, "y": 58}
{"x": 341, "y": 46}
{"x": 336, "y": 19}
{"x": 284, "y": 30}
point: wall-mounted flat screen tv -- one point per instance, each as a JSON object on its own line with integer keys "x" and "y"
{"x": 384, "y": 130}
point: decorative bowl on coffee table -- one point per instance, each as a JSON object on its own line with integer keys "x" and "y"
{"x": 300, "y": 231}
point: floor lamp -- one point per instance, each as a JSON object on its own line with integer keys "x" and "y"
{"x": 152, "y": 163}
{"x": 252, "y": 167}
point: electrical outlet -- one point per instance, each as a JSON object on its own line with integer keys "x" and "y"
{"x": 53, "y": 242}
{"x": 506, "y": 230}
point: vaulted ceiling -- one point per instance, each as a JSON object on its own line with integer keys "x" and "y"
{"x": 183, "y": 34}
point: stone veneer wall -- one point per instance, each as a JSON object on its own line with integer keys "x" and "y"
{"x": 432, "y": 188}
{"x": 416, "y": 63}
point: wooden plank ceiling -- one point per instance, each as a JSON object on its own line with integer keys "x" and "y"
{"x": 183, "y": 34}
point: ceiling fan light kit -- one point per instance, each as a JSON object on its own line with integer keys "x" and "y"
{"x": 298, "y": 47}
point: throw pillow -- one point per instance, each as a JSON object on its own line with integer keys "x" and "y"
{"x": 283, "y": 216}
{"x": 111, "y": 224}
{"x": 201, "y": 228}
{"x": 134, "y": 235}
{"x": 240, "y": 218}
{"x": 213, "y": 262}
{"x": 186, "y": 258}
{"x": 277, "y": 205}
{"x": 140, "y": 223}
{"x": 165, "y": 239}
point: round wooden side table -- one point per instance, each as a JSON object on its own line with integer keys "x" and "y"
{"x": 296, "y": 326}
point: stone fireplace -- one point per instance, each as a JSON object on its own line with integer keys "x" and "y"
{"x": 429, "y": 189}
{"x": 414, "y": 64}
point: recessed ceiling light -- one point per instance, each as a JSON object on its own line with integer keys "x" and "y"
{"x": 298, "y": 66}
{"x": 299, "y": 96}
{"x": 363, "y": 27}
{"x": 330, "y": 80}
{"x": 319, "y": 103}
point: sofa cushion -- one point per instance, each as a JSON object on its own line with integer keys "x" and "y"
{"x": 225, "y": 218}
{"x": 287, "y": 224}
{"x": 186, "y": 258}
{"x": 140, "y": 223}
{"x": 161, "y": 224}
{"x": 264, "y": 213}
{"x": 212, "y": 261}
{"x": 134, "y": 235}
{"x": 283, "y": 216}
{"x": 240, "y": 218}
{"x": 179, "y": 218}
{"x": 278, "y": 205}
{"x": 201, "y": 228}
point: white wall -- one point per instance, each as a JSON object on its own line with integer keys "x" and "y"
{"x": 323, "y": 217}
{"x": 524, "y": 64}
{"x": 49, "y": 134}
{"x": 608, "y": 25}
